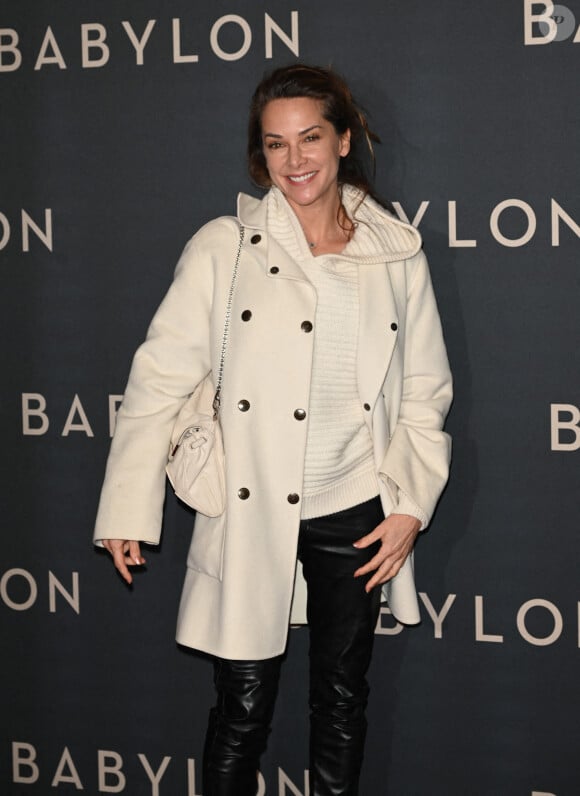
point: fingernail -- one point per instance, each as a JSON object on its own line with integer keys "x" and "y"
{"x": 136, "y": 559}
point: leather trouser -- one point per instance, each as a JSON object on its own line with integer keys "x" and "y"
{"x": 342, "y": 618}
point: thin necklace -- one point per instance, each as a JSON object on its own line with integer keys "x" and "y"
{"x": 312, "y": 244}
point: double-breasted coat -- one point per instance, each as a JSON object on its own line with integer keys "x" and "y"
{"x": 242, "y": 578}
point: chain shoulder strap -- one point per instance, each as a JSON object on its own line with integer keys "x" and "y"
{"x": 217, "y": 396}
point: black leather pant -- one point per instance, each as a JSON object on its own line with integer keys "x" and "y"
{"x": 342, "y": 619}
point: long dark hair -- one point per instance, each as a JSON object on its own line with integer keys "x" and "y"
{"x": 338, "y": 107}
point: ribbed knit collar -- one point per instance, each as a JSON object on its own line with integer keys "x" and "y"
{"x": 379, "y": 236}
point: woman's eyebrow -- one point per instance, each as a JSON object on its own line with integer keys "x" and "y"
{"x": 302, "y": 132}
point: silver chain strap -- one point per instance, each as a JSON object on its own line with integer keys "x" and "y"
{"x": 217, "y": 396}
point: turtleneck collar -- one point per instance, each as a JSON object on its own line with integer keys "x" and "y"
{"x": 379, "y": 237}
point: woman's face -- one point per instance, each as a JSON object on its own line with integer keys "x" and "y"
{"x": 302, "y": 150}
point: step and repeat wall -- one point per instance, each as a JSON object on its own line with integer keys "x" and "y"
{"x": 122, "y": 130}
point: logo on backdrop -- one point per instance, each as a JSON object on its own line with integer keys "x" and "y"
{"x": 37, "y": 416}
{"x": 508, "y": 208}
{"x": 20, "y": 591}
{"x": 111, "y": 777}
{"x": 545, "y": 22}
{"x": 539, "y": 622}
{"x": 19, "y": 232}
{"x": 564, "y": 427}
{"x": 96, "y": 52}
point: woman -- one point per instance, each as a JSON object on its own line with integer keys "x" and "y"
{"x": 335, "y": 389}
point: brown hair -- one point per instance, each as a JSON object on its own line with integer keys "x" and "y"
{"x": 338, "y": 107}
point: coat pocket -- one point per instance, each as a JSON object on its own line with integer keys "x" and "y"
{"x": 206, "y": 552}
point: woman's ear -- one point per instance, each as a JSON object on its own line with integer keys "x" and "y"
{"x": 344, "y": 144}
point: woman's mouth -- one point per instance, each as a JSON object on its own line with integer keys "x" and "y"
{"x": 298, "y": 179}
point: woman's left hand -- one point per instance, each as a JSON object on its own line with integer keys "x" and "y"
{"x": 397, "y": 534}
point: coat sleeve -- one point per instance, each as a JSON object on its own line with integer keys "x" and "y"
{"x": 166, "y": 368}
{"x": 416, "y": 464}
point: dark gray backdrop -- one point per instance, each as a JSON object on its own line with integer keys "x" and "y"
{"x": 107, "y": 168}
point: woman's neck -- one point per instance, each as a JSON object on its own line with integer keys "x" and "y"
{"x": 327, "y": 227}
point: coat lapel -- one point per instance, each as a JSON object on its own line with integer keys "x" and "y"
{"x": 278, "y": 264}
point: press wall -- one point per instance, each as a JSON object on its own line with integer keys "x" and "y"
{"x": 122, "y": 130}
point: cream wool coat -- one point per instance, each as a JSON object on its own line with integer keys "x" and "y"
{"x": 242, "y": 577}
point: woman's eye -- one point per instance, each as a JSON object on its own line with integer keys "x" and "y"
{"x": 274, "y": 145}
{"x": 312, "y": 137}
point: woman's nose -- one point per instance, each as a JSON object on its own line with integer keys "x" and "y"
{"x": 295, "y": 156}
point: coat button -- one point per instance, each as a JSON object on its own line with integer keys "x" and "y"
{"x": 293, "y": 498}
{"x": 255, "y": 239}
{"x": 394, "y": 327}
{"x": 246, "y": 315}
{"x": 243, "y": 493}
{"x": 306, "y": 326}
{"x": 274, "y": 269}
{"x": 367, "y": 407}
{"x": 299, "y": 414}
{"x": 243, "y": 405}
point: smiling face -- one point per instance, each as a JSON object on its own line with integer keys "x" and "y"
{"x": 302, "y": 151}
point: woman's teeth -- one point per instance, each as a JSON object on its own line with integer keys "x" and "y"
{"x": 303, "y": 177}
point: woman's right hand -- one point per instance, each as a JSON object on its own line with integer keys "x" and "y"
{"x": 125, "y": 554}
